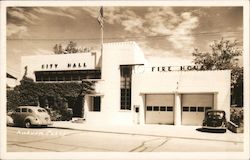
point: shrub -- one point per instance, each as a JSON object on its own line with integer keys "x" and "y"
{"x": 52, "y": 95}
{"x": 237, "y": 115}
{"x": 61, "y": 115}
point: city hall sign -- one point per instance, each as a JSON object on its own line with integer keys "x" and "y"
{"x": 176, "y": 68}
{"x": 68, "y": 66}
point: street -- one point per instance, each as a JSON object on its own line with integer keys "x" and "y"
{"x": 66, "y": 140}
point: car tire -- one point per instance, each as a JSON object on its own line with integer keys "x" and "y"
{"x": 27, "y": 124}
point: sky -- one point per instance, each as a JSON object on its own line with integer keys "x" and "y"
{"x": 167, "y": 35}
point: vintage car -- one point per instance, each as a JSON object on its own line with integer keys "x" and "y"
{"x": 9, "y": 120}
{"x": 28, "y": 116}
{"x": 215, "y": 120}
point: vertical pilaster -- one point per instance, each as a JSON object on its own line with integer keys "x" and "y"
{"x": 177, "y": 109}
{"x": 215, "y": 100}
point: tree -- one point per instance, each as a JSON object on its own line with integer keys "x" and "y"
{"x": 56, "y": 49}
{"x": 34, "y": 94}
{"x": 70, "y": 48}
{"x": 224, "y": 55}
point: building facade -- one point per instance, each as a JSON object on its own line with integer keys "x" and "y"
{"x": 11, "y": 81}
{"x": 129, "y": 90}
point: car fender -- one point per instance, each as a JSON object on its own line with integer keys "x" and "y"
{"x": 9, "y": 120}
{"x": 32, "y": 119}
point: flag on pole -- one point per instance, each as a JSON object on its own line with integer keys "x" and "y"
{"x": 100, "y": 17}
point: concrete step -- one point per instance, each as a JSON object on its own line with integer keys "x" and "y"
{"x": 78, "y": 120}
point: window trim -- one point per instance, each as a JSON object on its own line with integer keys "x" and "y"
{"x": 67, "y": 76}
{"x": 126, "y": 87}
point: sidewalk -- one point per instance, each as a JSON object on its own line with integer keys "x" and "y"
{"x": 187, "y": 132}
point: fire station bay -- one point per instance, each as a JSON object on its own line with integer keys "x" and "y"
{"x": 128, "y": 90}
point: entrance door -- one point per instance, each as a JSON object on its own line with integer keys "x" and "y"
{"x": 78, "y": 107}
{"x": 194, "y": 107}
{"x": 159, "y": 109}
{"x": 97, "y": 104}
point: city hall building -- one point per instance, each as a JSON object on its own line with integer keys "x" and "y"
{"x": 128, "y": 90}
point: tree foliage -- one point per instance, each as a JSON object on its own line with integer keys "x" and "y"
{"x": 224, "y": 55}
{"x": 70, "y": 48}
{"x": 31, "y": 93}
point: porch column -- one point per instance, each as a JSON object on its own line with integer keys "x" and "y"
{"x": 177, "y": 109}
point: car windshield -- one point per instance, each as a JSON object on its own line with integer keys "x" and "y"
{"x": 216, "y": 114}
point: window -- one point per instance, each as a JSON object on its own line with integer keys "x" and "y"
{"x": 200, "y": 109}
{"x": 30, "y": 110}
{"x": 60, "y": 78}
{"x": 76, "y": 77}
{"x": 149, "y": 108}
{"x": 39, "y": 78}
{"x": 68, "y": 77}
{"x": 169, "y": 108}
{"x": 73, "y": 75}
{"x": 53, "y": 77}
{"x": 18, "y": 110}
{"x": 185, "y": 109}
{"x": 162, "y": 108}
{"x": 156, "y": 108}
{"x": 96, "y": 104}
{"x": 192, "y": 109}
{"x": 24, "y": 109}
{"x": 46, "y": 78}
{"x": 207, "y": 108}
{"x": 125, "y": 85}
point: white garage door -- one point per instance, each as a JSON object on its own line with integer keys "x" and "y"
{"x": 194, "y": 107}
{"x": 159, "y": 109}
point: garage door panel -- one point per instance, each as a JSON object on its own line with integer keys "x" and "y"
{"x": 159, "y": 117}
{"x": 194, "y": 107}
{"x": 160, "y": 100}
{"x": 197, "y": 100}
{"x": 190, "y": 118}
{"x": 159, "y": 109}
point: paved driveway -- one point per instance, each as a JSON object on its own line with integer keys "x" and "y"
{"x": 190, "y": 132}
{"x": 72, "y": 140}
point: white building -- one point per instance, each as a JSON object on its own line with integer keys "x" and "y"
{"x": 11, "y": 81}
{"x": 130, "y": 91}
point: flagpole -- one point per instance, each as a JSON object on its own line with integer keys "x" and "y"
{"x": 101, "y": 21}
{"x": 101, "y": 40}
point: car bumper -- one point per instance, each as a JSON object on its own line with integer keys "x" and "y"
{"x": 39, "y": 123}
{"x": 220, "y": 128}
{"x": 10, "y": 124}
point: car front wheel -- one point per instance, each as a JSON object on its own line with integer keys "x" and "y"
{"x": 27, "y": 124}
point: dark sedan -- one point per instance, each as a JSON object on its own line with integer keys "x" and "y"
{"x": 215, "y": 120}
